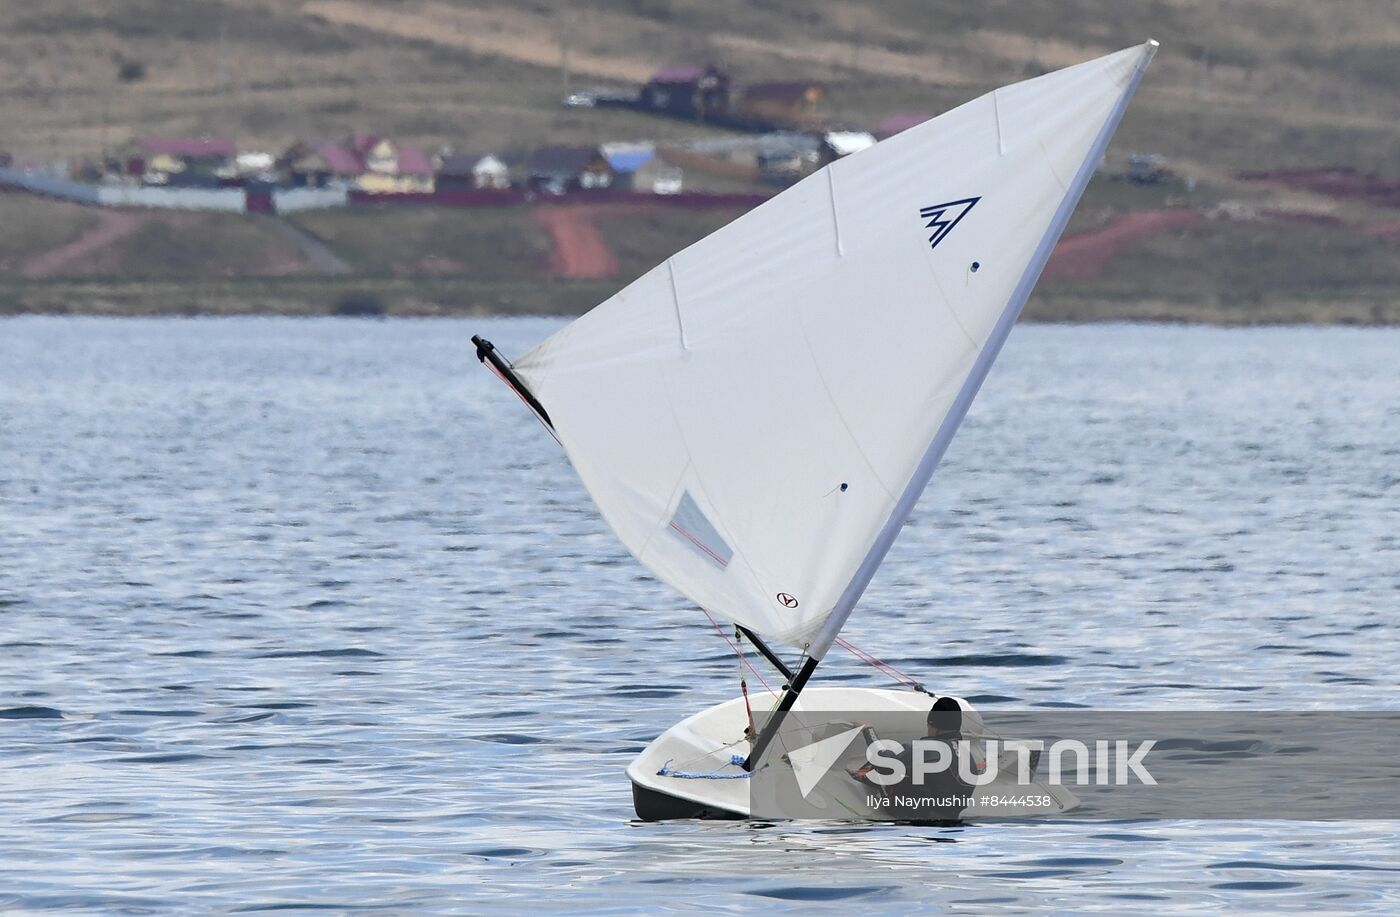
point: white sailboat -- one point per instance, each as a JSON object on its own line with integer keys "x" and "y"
{"x": 757, "y": 416}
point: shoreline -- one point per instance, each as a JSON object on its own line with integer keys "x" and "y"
{"x": 456, "y": 298}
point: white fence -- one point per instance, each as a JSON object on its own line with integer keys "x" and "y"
{"x": 227, "y": 200}
{"x": 51, "y": 185}
{"x": 290, "y": 200}
{"x": 231, "y": 200}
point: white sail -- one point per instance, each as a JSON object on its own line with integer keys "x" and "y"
{"x": 756, "y": 416}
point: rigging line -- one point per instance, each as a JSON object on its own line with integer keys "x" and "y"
{"x": 885, "y": 668}
{"x": 880, "y": 665}
{"x": 748, "y": 708}
{"x": 757, "y": 674}
{"x": 706, "y": 756}
{"x": 743, "y": 682}
{"x": 865, "y": 655}
{"x": 865, "y": 658}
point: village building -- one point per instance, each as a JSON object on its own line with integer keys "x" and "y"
{"x": 786, "y": 156}
{"x": 390, "y": 167}
{"x": 695, "y": 93}
{"x": 657, "y": 176}
{"x": 561, "y": 169}
{"x": 473, "y": 172}
{"x": 185, "y": 161}
{"x": 365, "y": 162}
{"x": 256, "y": 166}
{"x": 625, "y": 157}
{"x": 639, "y": 168}
{"x": 800, "y": 104}
{"x": 319, "y": 164}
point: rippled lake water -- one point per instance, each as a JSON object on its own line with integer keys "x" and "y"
{"x": 312, "y": 613}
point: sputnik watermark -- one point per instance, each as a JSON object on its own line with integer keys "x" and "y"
{"x": 1238, "y": 764}
{"x": 1113, "y": 761}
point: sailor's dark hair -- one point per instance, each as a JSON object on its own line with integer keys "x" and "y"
{"x": 946, "y": 715}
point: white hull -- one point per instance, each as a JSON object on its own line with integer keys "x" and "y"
{"x": 708, "y": 741}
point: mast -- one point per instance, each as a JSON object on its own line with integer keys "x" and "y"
{"x": 770, "y": 728}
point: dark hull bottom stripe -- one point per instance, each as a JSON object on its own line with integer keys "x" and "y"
{"x": 652, "y": 805}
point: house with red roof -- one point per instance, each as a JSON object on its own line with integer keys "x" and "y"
{"x": 363, "y": 161}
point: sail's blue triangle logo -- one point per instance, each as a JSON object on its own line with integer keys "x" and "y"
{"x": 941, "y": 218}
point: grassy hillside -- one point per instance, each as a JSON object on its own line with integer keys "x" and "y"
{"x": 1238, "y": 273}
{"x": 31, "y": 225}
{"x": 638, "y": 239}
{"x": 1248, "y": 84}
{"x": 189, "y": 246}
{"x": 419, "y": 242}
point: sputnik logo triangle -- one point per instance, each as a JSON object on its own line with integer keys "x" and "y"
{"x": 941, "y": 218}
{"x": 811, "y": 762}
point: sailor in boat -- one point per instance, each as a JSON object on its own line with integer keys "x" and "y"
{"x": 904, "y": 799}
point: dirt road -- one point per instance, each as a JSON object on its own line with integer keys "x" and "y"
{"x": 111, "y": 226}
{"x": 579, "y": 252}
{"x": 1083, "y": 255}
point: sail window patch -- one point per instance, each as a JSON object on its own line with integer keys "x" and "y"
{"x": 690, "y": 524}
